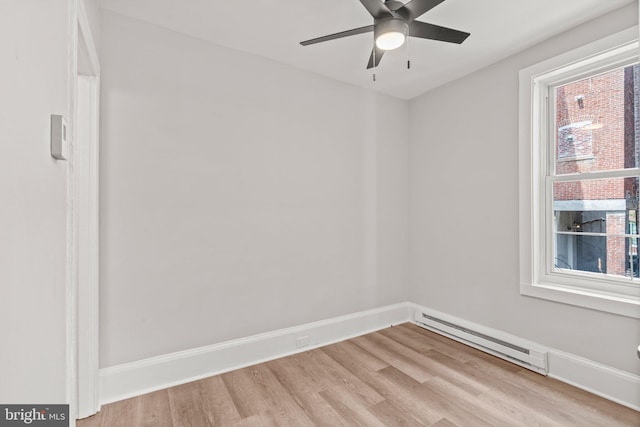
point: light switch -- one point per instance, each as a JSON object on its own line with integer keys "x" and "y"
{"x": 59, "y": 135}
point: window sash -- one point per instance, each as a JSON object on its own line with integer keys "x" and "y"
{"x": 548, "y": 146}
{"x": 598, "y": 281}
{"x": 547, "y": 84}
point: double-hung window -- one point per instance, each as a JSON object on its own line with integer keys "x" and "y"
{"x": 580, "y": 176}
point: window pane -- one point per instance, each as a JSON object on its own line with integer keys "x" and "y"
{"x": 596, "y": 194}
{"x": 595, "y": 226}
{"x": 597, "y": 124}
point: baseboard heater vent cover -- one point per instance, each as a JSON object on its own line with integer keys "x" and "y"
{"x": 518, "y": 353}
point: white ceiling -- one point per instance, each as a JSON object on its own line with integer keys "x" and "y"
{"x": 273, "y": 29}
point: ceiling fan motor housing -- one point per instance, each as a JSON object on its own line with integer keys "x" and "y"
{"x": 393, "y": 5}
{"x": 390, "y": 25}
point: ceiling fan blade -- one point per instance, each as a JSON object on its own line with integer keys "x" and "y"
{"x": 377, "y": 8}
{"x": 339, "y": 35}
{"x": 376, "y": 53}
{"x": 435, "y": 32}
{"x": 415, "y": 8}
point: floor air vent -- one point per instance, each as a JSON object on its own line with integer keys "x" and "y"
{"x": 523, "y": 355}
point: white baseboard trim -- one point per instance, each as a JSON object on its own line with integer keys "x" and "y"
{"x": 602, "y": 380}
{"x": 144, "y": 376}
{"x": 613, "y": 384}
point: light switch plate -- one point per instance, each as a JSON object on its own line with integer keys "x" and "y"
{"x": 59, "y": 135}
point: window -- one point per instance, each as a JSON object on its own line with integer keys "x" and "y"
{"x": 579, "y": 176}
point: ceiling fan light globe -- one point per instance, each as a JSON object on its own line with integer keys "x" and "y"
{"x": 391, "y": 40}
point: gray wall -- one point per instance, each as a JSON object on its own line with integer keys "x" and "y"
{"x": 92, "y": 7}
{"x": 464, "y": 209}
{"x": 239, "y": 195}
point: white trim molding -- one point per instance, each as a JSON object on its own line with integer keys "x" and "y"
{"x": 612, "y": 384}
{"x": 581, "y": 297}
{"x": 144, "y": 376}
{"x": 83, "y": 219}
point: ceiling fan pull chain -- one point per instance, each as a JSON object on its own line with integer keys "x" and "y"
{"x": 408, "y": 56}
{"x": 374, "y": 63}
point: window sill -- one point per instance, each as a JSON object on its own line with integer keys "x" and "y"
{"x": 622, "y": 305}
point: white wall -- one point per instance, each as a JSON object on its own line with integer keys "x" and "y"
{"x": 464, "y": 204}
{"x": 92, "y": 7}
{"x": 34, "y": 83}
{"x": 239, "y": 195}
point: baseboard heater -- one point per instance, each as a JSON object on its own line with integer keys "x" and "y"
{"x": 518, "y": 353}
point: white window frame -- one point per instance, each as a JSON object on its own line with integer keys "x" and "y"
{"x": 537, "y": 277}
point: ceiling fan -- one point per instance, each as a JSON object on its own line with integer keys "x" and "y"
{"x": 393, "y": 22}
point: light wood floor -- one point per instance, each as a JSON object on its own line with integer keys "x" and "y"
{"x": 400, "y": 376}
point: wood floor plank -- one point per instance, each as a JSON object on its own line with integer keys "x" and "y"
{"x": 346, "y": 354}
{"x": 283, "y": 407}
{"x": 380, "y": 346}
{"x": 328, "y": 374}
{"x": 512, "y": 407}
{"x": 155, "y": 410}
{"x": 409, "y": 338}
{"x": 458, "y": 375}
{"x": 504, "y": 385}
{"x": 265, "y": 419}
{"x": 122, "y": 414}
{"x": 423, "y": 398}
{"x": 444, "y": 423}
{"x": 338, "y": 375}
{"x": 495, "y": 411}
{"x": 421, "y": 337}
{"x": 400, "y": 376}
{"x": 245, "y": 395}
{"x": 320, "y": 412}
{"x": 503, "y": 381}
{"x": 432, "y": 366}
{"x": 598, "y": 410}
{"x": 392, "y": 415}
{"x": 305, "y": 392}
{"x": 401, "y": 397}
{"x": 216, "y": 402}
{"x": 352, "y": 411}
{"x": 297, "y": 373}
{"x": 365, "y": 359}
{"x": 448, "y": 369}
{"x": 187, "y": 407}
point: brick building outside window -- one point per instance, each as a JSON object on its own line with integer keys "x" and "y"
{"x": 597, "y": 125}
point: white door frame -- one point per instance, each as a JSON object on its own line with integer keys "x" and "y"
{"x": 83, "y": 181}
